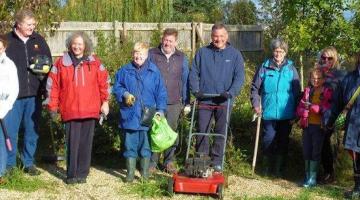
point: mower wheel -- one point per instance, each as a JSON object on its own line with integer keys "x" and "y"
{"x": 219, "y": 191}
{"x": 170, "y": 188}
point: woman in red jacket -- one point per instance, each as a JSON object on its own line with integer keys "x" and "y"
{"x": 78, "y": 87}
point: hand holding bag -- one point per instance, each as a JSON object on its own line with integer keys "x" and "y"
{"x": 161, "y": 135}
{"x": 340, "y": 121}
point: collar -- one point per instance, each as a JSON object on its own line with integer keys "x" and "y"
{"x": 167, "y": 54}
{"x": 213, "y": 47}
{"x": 68, "y": 62}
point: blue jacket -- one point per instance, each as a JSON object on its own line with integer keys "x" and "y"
{"x": 279, "y": 88}
{"x": 146, "y": 85}
{"x": 341, "y": 97}
{"x": 215, "y": 71}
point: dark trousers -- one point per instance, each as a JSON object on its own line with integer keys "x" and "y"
{"x": 275, "y": 140}
{"x": 327, "y": 158}
{"x": 313, "y": 138}
{"x": 79, "y": 138}
{"x": 202, "y": 142}
{"x": 172, "y": 116}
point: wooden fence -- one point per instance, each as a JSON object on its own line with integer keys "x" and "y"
{"x": 191, "y": 35}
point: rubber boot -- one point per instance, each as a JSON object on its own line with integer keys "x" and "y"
{"x": 307, "y": 171}
{"x": 311, "y": 182}
{"x": 279, "y": 166}
{"x": 266, "y": 165}
{"x": 130, "y": 166}
{"x": 355, "y": 193}
{"x": 145, "y": 164}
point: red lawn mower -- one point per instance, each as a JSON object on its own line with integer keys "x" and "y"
{"x": 198, "y": 176}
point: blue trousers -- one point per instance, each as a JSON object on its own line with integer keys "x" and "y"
{"x": 3, "y": 154}
{"x": 25, "y": 112}
{"x": 136, "y": 144}
{"x": 275, "y": 140}
{"x": 313, "y": 139}
{"x": 202, "y": 142}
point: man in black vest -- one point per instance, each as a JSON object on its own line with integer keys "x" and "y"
{"x": 174, "y": 68}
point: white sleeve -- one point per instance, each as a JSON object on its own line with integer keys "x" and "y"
{"x": 13, "y": 90}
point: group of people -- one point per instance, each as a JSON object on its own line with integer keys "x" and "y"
{"x": 77, "y": 91}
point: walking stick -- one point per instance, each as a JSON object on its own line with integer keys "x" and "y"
{"x": 258, "y": 116}
{"x": 6, "y": 136}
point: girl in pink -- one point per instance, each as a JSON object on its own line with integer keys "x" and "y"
{"x": 315, "y": 101}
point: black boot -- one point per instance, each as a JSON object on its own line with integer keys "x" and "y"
{"x": 266, "y": 165}
{"x": 355, "y": 193}
{"x": 307, "y": 172}
{"x": 130, "y": 166}
{"x": 279, "y": 166}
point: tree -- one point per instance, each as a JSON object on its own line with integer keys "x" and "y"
{"x": 45, "y": 11}
{"x": 210, "y": 11}
{"x": 241, "y": 12}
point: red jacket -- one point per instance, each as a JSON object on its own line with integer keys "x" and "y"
{"x": 77, "y": 92}
{"x": 303, "y": 112}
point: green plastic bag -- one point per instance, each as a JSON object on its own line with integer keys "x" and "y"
{"x": 340, "y": 122}
{"x": 161, "y": 135}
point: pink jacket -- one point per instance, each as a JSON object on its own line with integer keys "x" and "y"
{"x": 303, "y": 112}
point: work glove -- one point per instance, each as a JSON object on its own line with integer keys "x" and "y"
{"x": 105, "y": 108}
{"x": 54, "y": 116}
{"x": 198, "y": 95}
{"x": 226, "y": 95}
{"x": 187, "y": 109}
{"x": 129, "y": 99}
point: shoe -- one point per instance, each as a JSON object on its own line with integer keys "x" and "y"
{"x": 217, "y": 168}
{"x": 71, "y": 181}
{"x": 32, "y": 171}
{"x": 81, "y": 180}
{"x": 2, "y": 181}
{"x": 170, "y": 168}
{"x": 328, "y": 179}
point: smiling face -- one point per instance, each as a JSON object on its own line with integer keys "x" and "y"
{"x": 317, "y": 79}
{"x": 327, "y": 60}
{"x": 219, "y": 38}
{"x": 169, "y": 43}
{"x": 139, "y": 57}
{"x": 26, "y": 27}
{"x": 279, "y": 55}
{"x": 78, "y": 47}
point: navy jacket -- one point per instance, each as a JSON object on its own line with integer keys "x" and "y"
{"x": 215, "y": 71}
{"x": 146, "y": 85}
{"x": 341, "y": 97}
{"x": 175, "y": 73}
{"x": 21, "y": 53}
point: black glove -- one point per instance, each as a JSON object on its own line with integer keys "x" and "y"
{"x": 226, "y": 95}
{"x": 198, "y": 95}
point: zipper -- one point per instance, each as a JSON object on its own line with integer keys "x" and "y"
{"x": 27, "y": 67}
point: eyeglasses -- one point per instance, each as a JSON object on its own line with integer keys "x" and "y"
{"x": 327, "y": 58}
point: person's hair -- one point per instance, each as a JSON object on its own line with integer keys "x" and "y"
{"x": 4, "y": 40}
{"x": 279, "y": 43}
{"x": 87, "y": 41}
{"x": 22, "y": 14}
{"x": 141, "y": 47}
{"x": 170, "y": 31}
{"x": 332, "y": 52}
{"x": 218, "y": 26}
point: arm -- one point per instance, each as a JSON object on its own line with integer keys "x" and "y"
{"x": 255, "y": 88}
{"x": 53, "y": 87}
{"x": 337, "y": 105}
{"x": 103, "y": 83}
{"x": 238, "y": 76}
{"x": 194, "y": 76}
{"x": 119, "y": 88}
{"x": 296, "y": 87}
{"x": 161, "y": 94}
{"x": 14, "y": 90}
{"x": 185, "y": 82}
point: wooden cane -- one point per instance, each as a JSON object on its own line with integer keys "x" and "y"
{"x": 256, "y": 143}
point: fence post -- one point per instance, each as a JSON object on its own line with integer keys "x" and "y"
{"x": 124, "y": 31}
{"x": 193, "y": 38}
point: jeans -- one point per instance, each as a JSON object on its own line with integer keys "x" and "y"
{"x": 3, "y": 153}
{"x": 275, "y": 139}
{"x": 25, "y": 112}
{"x": 313, "y": 138}
{"x": 136, "y": 144}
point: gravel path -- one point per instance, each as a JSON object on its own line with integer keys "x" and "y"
{"x": 106, "y": 184}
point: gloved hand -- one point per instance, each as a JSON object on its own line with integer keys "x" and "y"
{"x": 226, "y": 95}
{"x": 105, "y": 108}
{"x": 187, "y": 109}
{"x": 129, "y": 99}
{"x": 198, "y": 95}
{"x": 54, "y": 116}
{"x": 159, "y": 114}
{"x": 257, "y": 110}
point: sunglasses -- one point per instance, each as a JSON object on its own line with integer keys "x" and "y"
{"x": 326, "y": 58}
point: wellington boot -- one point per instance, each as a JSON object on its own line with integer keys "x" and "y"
{"x": 307, "y": 171}
{"x": 145, "y": 164}
{"x": 266, "y": 165}
{"x": 130, "y": 166}
{"x": 279, "y": 166}
{"x": 355, "y": 193}
{"x": 311, "y": 182}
